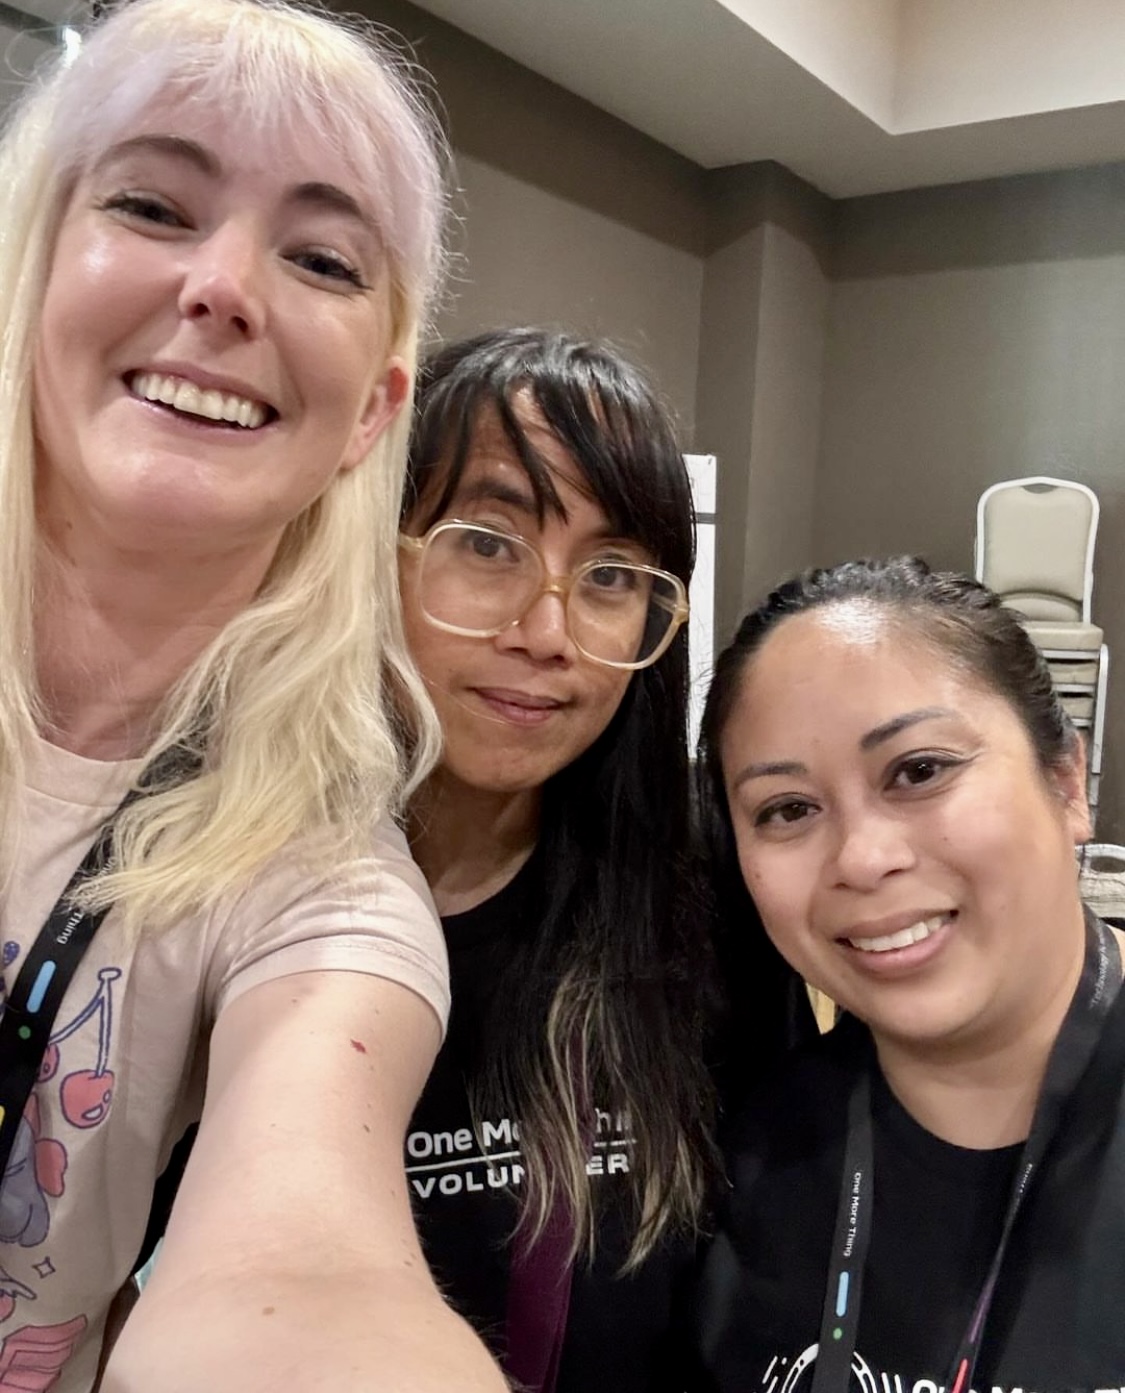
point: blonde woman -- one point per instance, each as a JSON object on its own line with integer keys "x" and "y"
{"x": 221, "y": 223}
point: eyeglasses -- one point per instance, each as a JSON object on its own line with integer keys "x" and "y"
{"x": 478, "y": 581}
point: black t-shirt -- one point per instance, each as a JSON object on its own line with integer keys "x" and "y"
{"x": 1058, "y": 1317}
{"x": 619, "y": 1328}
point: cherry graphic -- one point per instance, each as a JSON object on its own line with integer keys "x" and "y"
{"x": 50, "y": 1166}
{"x": 50, "y": 1160}
{"x": 49, "y": 1065}
{"x": 85, "y": 1096}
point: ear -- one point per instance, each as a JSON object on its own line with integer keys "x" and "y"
{"x": 1069, "y": 781}
{"x": 389, "y": 394}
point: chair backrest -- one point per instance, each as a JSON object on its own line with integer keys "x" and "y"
{"x": 1035, "y": 546}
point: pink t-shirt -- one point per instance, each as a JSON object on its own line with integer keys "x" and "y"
{"x": 126, "y": 1069}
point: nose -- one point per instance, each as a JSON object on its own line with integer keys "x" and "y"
{"x": 871, "y": 844}
{"x": 542, "y": 630}
{"x": 223, "y": 286}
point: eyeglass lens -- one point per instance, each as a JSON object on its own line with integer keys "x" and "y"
{"x": 479, "y": 581}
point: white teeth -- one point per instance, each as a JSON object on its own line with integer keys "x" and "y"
{"x": 195, "y": 401}
{"x": 913, "y": 933}
{"x": 189, "y": 399}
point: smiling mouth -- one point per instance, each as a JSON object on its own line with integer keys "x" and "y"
{"x": 903, "y": 938}
{"x": 202, "y": 403}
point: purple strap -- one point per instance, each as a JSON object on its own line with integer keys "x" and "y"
{"x": 538, "y": 1301}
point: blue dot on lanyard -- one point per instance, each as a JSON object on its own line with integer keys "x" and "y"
{"x": 39, "y": 990}
{"x": 24, "y": 1032}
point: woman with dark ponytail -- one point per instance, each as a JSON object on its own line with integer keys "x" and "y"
{"x": 930, "y": 1195}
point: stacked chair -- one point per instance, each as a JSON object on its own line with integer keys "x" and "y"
{"x": 1103, "y": 881}
{"x": 1035, "y": 548}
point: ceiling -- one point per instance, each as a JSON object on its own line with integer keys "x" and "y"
{"x": 855, "y": 96}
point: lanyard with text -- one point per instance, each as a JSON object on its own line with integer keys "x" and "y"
{"x": 52, "y": 960}
{"x": 1071, "y": 1054}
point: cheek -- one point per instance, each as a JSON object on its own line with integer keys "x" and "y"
{"x": 428, "y": 661}
{"x": 446, "y": 662}
{"x": 95, "y": 281}
{"x": 614, "y": 686}
{"x": 350, "y": 351}
{"x": 603, "y": 701}
{"x": 780, "y": 890}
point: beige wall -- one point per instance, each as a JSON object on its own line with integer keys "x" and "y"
{"x": 569, "y": 216}
{"x": 978, "y": 334}
{"x": 531, "y": 256}
{"x": 764, "y": 320}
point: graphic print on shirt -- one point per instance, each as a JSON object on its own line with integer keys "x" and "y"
{"x": 32, "y": 1358}
{"x": 36, "y": 1169}
{"x": 456, "y": 1162}
{"x": 784, "y": 1375}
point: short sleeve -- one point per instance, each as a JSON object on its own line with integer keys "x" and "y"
{"x": 373, "y": 915}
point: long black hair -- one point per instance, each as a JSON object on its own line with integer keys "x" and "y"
{"x": 604, "y": 1004}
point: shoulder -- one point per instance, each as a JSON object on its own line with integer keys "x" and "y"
{"x": 372, "y": 914}
{"x": 802, "y": 1104}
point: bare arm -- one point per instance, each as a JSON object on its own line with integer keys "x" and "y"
{"x": 291, "y": 1260}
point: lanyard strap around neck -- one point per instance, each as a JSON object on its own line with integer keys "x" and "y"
{"x": 1070, "y": 1056}
{"x": 31, "y": 1006}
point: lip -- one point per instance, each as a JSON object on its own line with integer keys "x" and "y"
{"x": 897, "y": 962}
{"x": 891, "y": 923}
{"x": 207, "y": 381}
{"x": 517, "y": 707}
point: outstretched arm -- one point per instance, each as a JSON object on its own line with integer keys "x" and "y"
{"x": 291, "y": 1260}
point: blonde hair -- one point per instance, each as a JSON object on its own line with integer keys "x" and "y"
{"x": 301, "y": 707}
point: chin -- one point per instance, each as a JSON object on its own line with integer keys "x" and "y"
{"x": 935, "y": 1029}
{"x": 503, "y": 780}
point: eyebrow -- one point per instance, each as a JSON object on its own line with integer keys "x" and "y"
{"x": 891, "y": 728}
{"x": 493, "y": 491}
{"x": 763, "y": 771}
{"x": 315, "y": 193}
{"x": 333, "y": 198}
{"x": 872, "y": 740}
{"x": 178, "y": 146}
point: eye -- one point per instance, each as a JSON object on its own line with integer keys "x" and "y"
{"x": 145, "y": 208}
{"x": 918, "y": 770}
{"x": 487, "y": 545}
{"x": 784, "y": 813}
{"x": 612, "y": 575}
{"x": 614, "y": 585}
{"x": 328, "y": 266}
{"x": 479, "y": 544}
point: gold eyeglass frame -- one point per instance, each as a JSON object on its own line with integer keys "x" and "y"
{"x": 552, "y": 585}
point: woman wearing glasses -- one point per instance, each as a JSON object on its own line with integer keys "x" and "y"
{"x": 547, "y": 548}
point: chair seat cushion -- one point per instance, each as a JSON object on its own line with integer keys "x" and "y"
{"x": 1082, "y": 638}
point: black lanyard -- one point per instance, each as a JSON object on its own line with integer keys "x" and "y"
{"x": 1071, "y": 1054}
{"x": 52, "y": 960}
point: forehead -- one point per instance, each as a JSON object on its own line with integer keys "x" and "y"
{"x": 829, "y": 676}
{"x": 493, "y": 458}
{"x": 286, "y": 150}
